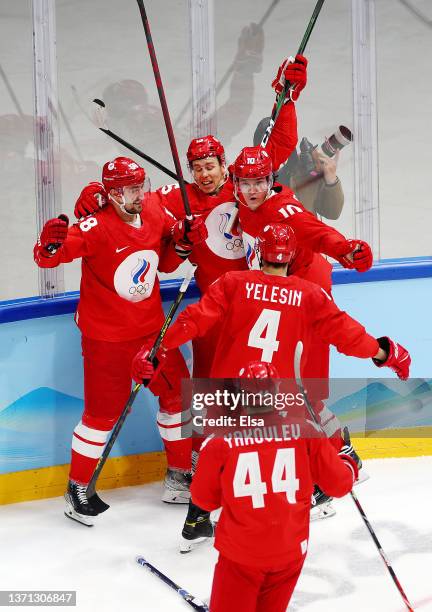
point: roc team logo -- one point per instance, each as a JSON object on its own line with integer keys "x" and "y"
{"x": 135, "y": 277}
{"x": 138, "y": 274}
{"x": 251, "y": 251}
{"x": 228, "y": 245}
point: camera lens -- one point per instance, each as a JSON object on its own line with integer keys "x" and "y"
{"x": 337, "y": 141}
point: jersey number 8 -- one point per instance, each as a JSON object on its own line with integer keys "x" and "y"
{"x": 87, "y": 224}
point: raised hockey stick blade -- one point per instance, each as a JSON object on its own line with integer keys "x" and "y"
{"x": 101, "y": 121}
{"x": 165, "y": 111}
{"x": 91, "y": 489}
{"x": 297, "y": 361}
{"x": 195, "y": 603}
{"x": 281, "y": 98}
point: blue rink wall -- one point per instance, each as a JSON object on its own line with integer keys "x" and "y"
{"x": 41, "y": 392}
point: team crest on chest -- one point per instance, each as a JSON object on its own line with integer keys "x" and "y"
{"x": 135, "y": 276}
{"x": 228, "y": 245}
{"x": 251, "y": 251}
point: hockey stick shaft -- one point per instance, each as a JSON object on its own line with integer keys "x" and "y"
{"x": 91, "y": 488}
{"x": 105, "y": 129}
{"x": 195, "y": 603}
{"x": 280, "y": 100}
{"x": 165, "y": 111}
{"x": 297, "y": 371}
{"x": 281, "y": 97}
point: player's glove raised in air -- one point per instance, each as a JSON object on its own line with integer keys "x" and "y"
{"x": 52, "y": 236}
{"x": 145, "y": 371}
{"x": 186, "y": 234}
{"x": 398, "y": 358}
{"x": 293, "y": 72}
{"x": 358, "y": 256}
{"x": 91, "y": 199}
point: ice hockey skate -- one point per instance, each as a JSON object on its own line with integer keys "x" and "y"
{"x": 78, "y": 507}
{"x": 177, "y": 485}
{"x": 198, "y": 528}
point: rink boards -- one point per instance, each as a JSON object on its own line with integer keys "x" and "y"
{"x": 41, "y": 397}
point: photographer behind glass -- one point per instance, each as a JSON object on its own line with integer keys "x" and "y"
{"x": 311, "y": 173}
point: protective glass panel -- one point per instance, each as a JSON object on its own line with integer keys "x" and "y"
{"x": 18, "y": 273}
{"x": 404, "y": 125}
{"x": 102, "y": 53}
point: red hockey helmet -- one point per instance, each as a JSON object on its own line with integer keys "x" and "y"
{"x": 262, "y": 378}
{"x": 122, "y": 172}
{"x": 259, "y": 369}
{"x": 252, "y": 163}
{"x": 277, "y": 243}
{"x": 208, "y": 146}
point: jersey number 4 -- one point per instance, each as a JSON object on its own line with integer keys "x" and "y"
{"x": 263, "y": 333}
{"x": 248, "y": 481}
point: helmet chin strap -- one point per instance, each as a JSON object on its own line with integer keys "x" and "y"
{"x": 122, "y": 205}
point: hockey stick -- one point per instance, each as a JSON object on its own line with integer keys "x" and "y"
{"x": 297, "y": 360}
{"x": 100, "y": 117}
{"x": 91, "y": 488}
{"x": 280, "y": 99}
{"x": 230, "y": 70}
{"x": 195, "y": 603}
{"x": 165, "y": 111}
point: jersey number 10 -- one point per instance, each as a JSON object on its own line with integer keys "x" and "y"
{"x": 248, "y": 481}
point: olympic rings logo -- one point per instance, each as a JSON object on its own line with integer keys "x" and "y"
{"x": 234, "y": 245}
{"x": 141, "y": 289}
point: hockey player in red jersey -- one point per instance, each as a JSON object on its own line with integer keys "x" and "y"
{"x": 211, "y": 197}
{"x": 263, "y": 314}
{"x": 264, "y": 489}
{"x": 121, "y": 247}
{"x": 260, "y": 203}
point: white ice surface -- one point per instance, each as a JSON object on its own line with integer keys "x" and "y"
{"x": 41, "y": 549}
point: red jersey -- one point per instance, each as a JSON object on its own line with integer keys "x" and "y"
{"x": 312, "y": 235}
{"x": 222, "y": 251}
{"x": 119, "y": 292}
{"x": 261, "y": 317}
{"x": 265, "y": 489}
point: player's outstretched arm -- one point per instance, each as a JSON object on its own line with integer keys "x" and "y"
{"x": 59, "y": 244}
{"x": 198, "y": 318}
{"x": 322, "y": 238}
{"x": 350, "y": 337}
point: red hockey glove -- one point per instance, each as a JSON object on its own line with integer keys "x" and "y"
{"x": 361, "y": 255}
{"x": 293, "y": 72}
{"x": 53, "y": 235}
{"x": 92, "y": 197}
{"x": 398, "y": 358}
{"x": 186, "y": 233}
{"x": 145, "y": 371}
